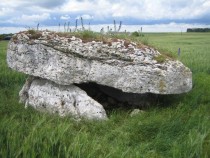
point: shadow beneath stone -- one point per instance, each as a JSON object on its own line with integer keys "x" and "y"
{"x": 112, "y": 98}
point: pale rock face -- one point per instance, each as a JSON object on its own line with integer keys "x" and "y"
{"x": 70, "y": 60}
{"x": 47, "y": 96}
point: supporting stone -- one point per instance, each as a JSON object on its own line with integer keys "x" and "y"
{"x": 47, "y": 96}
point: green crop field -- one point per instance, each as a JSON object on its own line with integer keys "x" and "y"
{"x": 179, "y": 127}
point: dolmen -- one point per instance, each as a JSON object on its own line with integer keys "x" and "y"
{"x": 57, "y": 63}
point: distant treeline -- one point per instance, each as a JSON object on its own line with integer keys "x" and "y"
{"x": 198, "y": 30}
{"x": 5, "y": 36}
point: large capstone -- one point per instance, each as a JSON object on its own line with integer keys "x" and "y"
{"x": 127, "y": 67}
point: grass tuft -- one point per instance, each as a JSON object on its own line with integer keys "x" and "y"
{"x": 160, "y": 58}
{"x": 33, "y": 34}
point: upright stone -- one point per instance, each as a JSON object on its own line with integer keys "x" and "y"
{"x": 47, "y": 96}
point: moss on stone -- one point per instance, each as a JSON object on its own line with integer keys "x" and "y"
{"x": 162, "y": 86}
{"x": 160, "y": 58}
{"x": 33, "y": 34}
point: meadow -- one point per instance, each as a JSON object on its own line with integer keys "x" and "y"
{"x": 178, "y": 127}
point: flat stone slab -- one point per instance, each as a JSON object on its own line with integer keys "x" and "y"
{"x": 117, "y": 64}
{"x": 46, "y": 96}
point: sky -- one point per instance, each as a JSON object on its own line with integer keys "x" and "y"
{"x": 48, "y": 13}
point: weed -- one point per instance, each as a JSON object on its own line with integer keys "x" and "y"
{"x": 115, "y": 27}
{"x": 135, "y": 34}
{"x": 88, "y": 35}
{"x": 37, "y": 27}
{"x": 33, "y": 34}
{"x": 160, "y": 58}
{"x": 120, "y": 26}
{"x": 82, "y": 23}
{"x": 31, "y": 31}
{"x": 144, "y": 40}
{"x": 76, "y": 25}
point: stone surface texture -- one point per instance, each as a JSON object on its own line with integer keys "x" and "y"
{"x": 47, "y": 96}
{"x": 68, "y": 60}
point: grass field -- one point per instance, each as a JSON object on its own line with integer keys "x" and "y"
{"x": 179, "y": 128}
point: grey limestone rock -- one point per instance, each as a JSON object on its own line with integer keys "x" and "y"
{"x": 47, "y": 96}
{"x": 68, "y": 60}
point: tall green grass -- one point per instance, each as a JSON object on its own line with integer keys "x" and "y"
{"x": 195, "y": 48}
{"x": 180, "y": 127}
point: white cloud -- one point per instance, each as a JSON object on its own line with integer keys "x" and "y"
{"x": 76, "y": 6}
{"x": 11, "y": 3}
{"x": 65, "y": 17}
{"x": 85, "y": 17}
{"x": 5, "y": 11}
{"x": 30, "y": 19}
{"x": 16, "y": 11}
{"x": 144, "y": 9}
